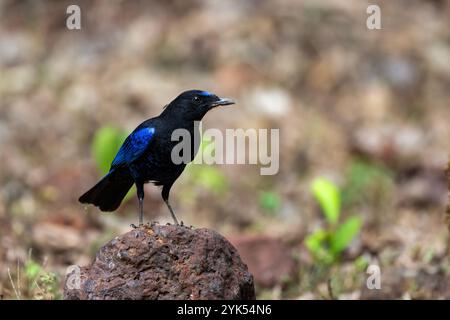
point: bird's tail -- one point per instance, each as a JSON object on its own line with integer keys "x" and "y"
{"x": 109, "y": 192}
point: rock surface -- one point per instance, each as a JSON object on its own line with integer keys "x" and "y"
{"x": 163, "y": 262}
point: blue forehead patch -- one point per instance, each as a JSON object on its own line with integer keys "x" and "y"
{"x": 205, "y": 93}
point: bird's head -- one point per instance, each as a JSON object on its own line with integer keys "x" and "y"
{"x": 194, "y": 104}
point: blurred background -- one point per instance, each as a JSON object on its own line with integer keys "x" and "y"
{"x": 364, "y": 137}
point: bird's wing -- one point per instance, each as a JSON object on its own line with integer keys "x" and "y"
{"x": 133, "y": 146}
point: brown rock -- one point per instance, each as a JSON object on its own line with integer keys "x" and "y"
{"x": 56, "y": 237}
{"x": 164, "y": 262}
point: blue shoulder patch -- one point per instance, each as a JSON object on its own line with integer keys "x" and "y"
{"x": 134, "y": 146}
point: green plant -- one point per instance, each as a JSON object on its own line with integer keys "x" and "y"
{"x": 327, "y": 244}
{"x": 41, "y": 284}
{"x": 269, "y": 202}
{"x": 107, "y": 141}
{"x": 36, "y": 282}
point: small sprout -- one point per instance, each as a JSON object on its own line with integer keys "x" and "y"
{"x": 344, "y": 234}
{"x": 326, "y": 245}
{"x": 41, "y": 283}
{"x": 32, "y": 270}
{"x": 315, "y": 244}
{"x": 269, "y": 202}
{"x": 328, "y": 197}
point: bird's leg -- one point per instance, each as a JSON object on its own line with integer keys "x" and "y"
{"x": 165, "y": 196}
{"x": 140, "y": 194}
{"x": 171, "y": 211}
{"x": 153, "y": 223}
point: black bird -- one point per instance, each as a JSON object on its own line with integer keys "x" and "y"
{"x": 145, "y": 155}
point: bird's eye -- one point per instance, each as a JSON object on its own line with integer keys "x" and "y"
{"x": 196, "y": 99}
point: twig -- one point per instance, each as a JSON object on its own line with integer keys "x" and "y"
{"x": 18, "y": 277}
{"x": 12, "y": 284}
{"x": 44, "y": 263}
{"x": 330, "y": 290}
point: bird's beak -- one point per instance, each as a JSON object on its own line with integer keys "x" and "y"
{"x": 222, "y": 102}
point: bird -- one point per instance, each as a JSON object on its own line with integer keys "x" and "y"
{"x": 145, "y": 155}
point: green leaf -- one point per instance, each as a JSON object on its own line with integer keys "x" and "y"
{"x": 344, "y": 234}
{"x": 107, "y": 141}
{"x": 317, "y": 245}
{"x": 314, "y": 241}
{"x": 327, "y": 195}
{"x": 32, "y": 269}
{"x": 270, "y": 202}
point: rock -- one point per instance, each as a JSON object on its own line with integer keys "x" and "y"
{"x": 56, "y": 237}
{"x": 163, "y": 262}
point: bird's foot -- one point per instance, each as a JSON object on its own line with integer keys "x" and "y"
{"x": 133, "y": 226}
{"x": 181, "y": 224}
{"x": 186, "y": 226}
{"x": 153, "y": 223}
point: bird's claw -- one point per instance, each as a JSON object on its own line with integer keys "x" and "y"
{"x": 153, "y": 223}
{"x": 133, "y": 226}
{"x": 181, "y": 224}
